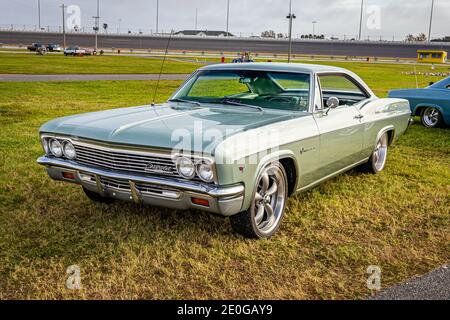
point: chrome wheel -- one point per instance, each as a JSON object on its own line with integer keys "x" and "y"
{"x": 380, "y": 153}
{"x": 270, "y": 199}
{"x": 431, "y": 117}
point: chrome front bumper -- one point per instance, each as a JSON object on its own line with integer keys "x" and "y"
{"x": 157, "y": 191}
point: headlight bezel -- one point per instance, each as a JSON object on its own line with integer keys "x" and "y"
{"x": 52, "y": 151}
{"x": 198, "y": 169}
{"x": 198, "y": 162}
{"x": 187, "y": 160}
{"x": 68, "y": 143}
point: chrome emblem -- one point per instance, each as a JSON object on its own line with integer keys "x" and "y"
{"x": 157, "y": 168}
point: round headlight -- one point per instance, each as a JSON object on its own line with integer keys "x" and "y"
{"x": 69, "y": 150}
{"x": 185, "y": 167}
{"x": 45, "y": 145}
{"x": 205, "y": 171}
{"x": 56, "y": 148}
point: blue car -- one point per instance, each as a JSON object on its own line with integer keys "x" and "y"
{"x": 432, "y": 103}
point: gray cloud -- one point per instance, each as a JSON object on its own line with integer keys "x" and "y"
{"x": 335, "y": 17}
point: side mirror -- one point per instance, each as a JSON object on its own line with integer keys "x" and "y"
{"x": 332, "y": 103}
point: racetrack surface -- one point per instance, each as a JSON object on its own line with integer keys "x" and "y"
{"x": 310, "y": 47}
{"x": 434, "y": 285}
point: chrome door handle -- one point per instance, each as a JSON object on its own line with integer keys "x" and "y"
{"x": 359, "y": 116}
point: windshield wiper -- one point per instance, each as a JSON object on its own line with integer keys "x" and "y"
{"x": 185, "y": 101}
{"x": 236, "y": 103}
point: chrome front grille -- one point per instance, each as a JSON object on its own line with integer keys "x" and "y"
{"x": 125, "y": 161}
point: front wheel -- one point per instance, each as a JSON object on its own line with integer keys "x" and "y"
{"x": 431, "y": 117}
{"x": 264, "y": 216}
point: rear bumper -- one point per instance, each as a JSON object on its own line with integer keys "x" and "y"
{"x": 157, "y": 191}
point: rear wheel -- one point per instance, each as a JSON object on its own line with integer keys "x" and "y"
{"x": 93, "y": 196}
{"x": 377, "y": 160}
{"x": 264, "y": 216}
{"x": 431, "y": 117}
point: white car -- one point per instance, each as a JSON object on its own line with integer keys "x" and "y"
{"x": 74, "y": 51}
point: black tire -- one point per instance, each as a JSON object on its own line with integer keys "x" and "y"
{"x": 377, "y": 160}
{"x": 245, "y": 223}
{"x": 95, "y": 197}
{"x": 431, "y": 117}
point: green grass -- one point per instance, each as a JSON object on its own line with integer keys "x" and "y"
{"x": 398, "y": 220}
{"x": 59, "y": 64}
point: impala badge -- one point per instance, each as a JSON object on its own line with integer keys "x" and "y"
{"x": 157, "y": 168}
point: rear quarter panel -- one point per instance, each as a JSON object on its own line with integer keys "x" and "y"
{"x": 383, "y": 115}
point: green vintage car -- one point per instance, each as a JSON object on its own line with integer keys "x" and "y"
{"x": 234, "y": 140}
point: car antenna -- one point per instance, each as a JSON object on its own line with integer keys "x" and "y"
{"x": 162, "y": 66}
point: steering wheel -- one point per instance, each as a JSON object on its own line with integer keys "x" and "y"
{"x": 294, "y": 100}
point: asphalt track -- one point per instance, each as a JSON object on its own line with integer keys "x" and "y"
{"x": 309, "y": 47}
{"x": 434, "y": 285}
{"x": 86, "y": 77}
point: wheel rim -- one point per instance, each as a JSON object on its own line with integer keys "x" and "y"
{"x": 269, "y": 199}
{"x": 380, "y": 153}
{"x": 431, "y": 117}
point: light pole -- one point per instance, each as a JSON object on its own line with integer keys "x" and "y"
{"x": 228, "y": 15}
{"x": 196, "y": 19}
{"x": 431, "y": 20}
{"x": 64, "y": 25}
{"x": 118, "y": 28}
{"x": 361, "y": 19}
{"x": 291, "y": 16}
{"x": 314, "y": 28}
{"x": 97, "y": 24}
{"x": 157, "y": 16}
{"x": 39, "y": 14}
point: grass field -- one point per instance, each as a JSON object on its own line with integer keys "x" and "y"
{"x": 398, "y": 220}
{"x": 59, "y": 64}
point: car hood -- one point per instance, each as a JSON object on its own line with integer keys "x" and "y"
{"x": 165, "y": 126}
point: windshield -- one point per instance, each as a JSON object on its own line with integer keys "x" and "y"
{"x": 274, "y": 90}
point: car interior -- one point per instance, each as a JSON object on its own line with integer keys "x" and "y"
{"x": 343, "y": 88}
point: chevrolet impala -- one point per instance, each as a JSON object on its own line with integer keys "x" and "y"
{"x": 234, "y": 140}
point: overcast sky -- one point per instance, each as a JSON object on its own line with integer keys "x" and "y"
{"x": 334, "y": 17}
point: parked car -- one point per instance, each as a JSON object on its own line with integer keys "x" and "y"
{"x": 35, "y": 46}
{"x": 74, "y": 51}
{"x": 432, "y": 103}
{"x": 89, "y": 51}
{"x": 235, "y": 140}
{"x": 54, "y": 48}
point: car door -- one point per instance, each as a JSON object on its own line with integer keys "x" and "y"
{"x": 341, "y": 130}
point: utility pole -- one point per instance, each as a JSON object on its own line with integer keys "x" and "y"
{"x": 291, "y": 16}
{"x": 361, "y": 19}
{"x": 228, "y": 16}
{"x": 157, "y": 16}
{"x": 64, "y": 25}
{"x": 97, "y": 25}
{"x": 431, "y": 20}
{"x": 39, "y": 14}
